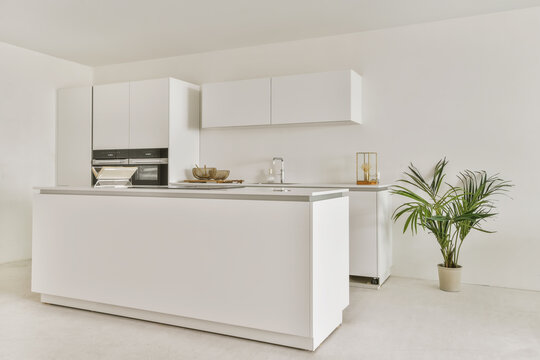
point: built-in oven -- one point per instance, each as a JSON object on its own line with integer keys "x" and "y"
{"x": 152, "y": 164}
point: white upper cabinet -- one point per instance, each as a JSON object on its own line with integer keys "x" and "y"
{"x": 309, "y": 98}
{"x": 111, "y": 116}
{"x": 316, "y": 98}
{"x": 236, "y": 103}
{"x": 149, "y": 114}
{"x": 132, "y": 115}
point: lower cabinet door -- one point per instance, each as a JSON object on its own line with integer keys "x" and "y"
{"x": 363, "y": 257}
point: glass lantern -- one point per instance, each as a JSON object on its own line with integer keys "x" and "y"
{"x": 367, "y": 171}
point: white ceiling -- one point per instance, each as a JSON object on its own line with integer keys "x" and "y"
{"x": 99, "y": 32}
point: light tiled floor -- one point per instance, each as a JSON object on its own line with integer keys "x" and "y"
{"x": 405, "y": 319}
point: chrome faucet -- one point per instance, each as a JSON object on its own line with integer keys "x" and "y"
{"x": 282, "y": 171}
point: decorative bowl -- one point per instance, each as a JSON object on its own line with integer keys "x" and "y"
{"x": 204, "y": 173}
{"x": 220, "y": 174}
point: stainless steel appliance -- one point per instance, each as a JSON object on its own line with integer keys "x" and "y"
{"x": 152, "y": 164}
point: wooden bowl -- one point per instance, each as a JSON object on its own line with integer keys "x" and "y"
{"x": 220, "y": 174}
{"x": 204, "y": 173}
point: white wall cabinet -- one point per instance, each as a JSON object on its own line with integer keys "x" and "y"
{"x": 149, "y": 114}
{"x": 308, "y": 98}
{"x": 111, "y": 116}
{"x": 74, "y": 136}
{"x": 236, "y": 103}
{"x": 315, "y": 98}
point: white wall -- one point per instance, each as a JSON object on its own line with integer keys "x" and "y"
{"x": 467, "y": 89}
{"x": 28, "y": 83}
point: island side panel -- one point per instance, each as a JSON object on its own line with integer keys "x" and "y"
{"x": 238, "y": 262}
{"x": 330, "y": 253}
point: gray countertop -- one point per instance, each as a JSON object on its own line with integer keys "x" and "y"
{"x": 274, "y": 192}
{"x": 351, "y": 187}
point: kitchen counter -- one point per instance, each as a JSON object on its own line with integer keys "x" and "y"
{"x": 350, "y": 187}
{"x": 249, "y": 262}
{"x": 271, "y": 192}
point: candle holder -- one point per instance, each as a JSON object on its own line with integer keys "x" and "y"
{"x": 367, "y": 168}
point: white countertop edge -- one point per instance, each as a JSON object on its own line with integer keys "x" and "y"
{"x": 350, "y": 187}
{"x": 246, "y": 193}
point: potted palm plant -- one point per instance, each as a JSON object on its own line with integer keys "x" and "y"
{"x": 448, "y": 212}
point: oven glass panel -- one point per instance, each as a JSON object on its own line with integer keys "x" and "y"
{"x": 147, "y": 173}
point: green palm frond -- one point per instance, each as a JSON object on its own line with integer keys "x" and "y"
{"x": 449, "y": 215}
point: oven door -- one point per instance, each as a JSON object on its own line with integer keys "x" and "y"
{"x": 146, "y": 175}
{"x": 151, "y": 171}
{"x": 99, "y": 163}
{"x": 150, "y": 174}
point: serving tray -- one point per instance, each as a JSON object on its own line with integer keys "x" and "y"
{"x": 216, "y": 181}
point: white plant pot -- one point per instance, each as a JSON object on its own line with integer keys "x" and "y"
{"x": 449, "y": 278}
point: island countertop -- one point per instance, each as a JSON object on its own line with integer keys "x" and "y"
{"x": 276, "y": 192}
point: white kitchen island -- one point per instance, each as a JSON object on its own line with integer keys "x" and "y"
{"x": 255, "y": 263}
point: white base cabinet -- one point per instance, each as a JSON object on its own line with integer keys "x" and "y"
{"x": 370, "y": 235}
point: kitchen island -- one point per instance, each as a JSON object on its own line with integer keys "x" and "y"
{"x": 257, "y": 263}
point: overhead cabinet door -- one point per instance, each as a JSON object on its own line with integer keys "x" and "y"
{"x": 236, "y": 103}
{"x": 111, "y": 116}
{"x": 313, "y": 98}
{"x": 149, "y": 114}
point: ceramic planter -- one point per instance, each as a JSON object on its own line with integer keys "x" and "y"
{"x": 449, "y": 278}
